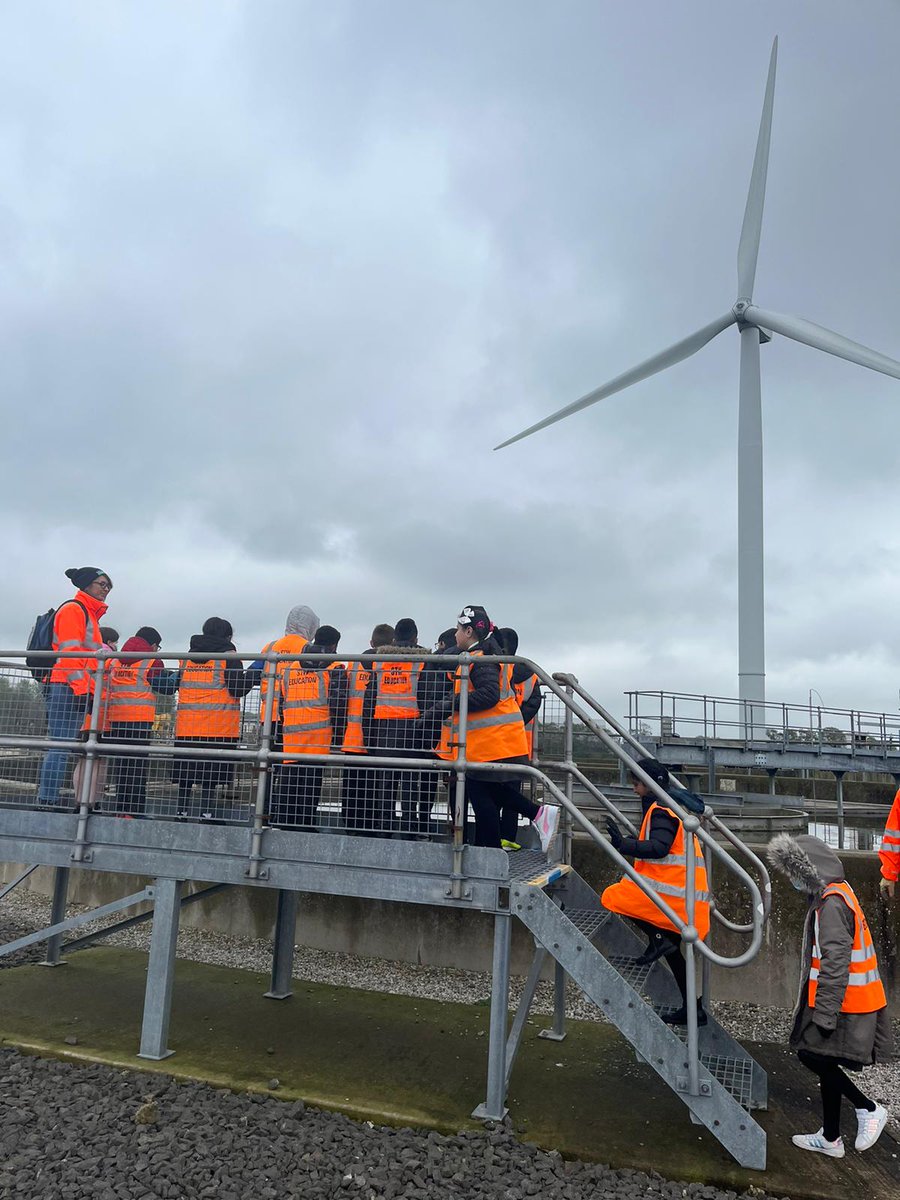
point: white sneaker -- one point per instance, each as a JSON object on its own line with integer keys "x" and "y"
{"x": 870, "y": 1126}
{"x": 547, "y": 823}
{"x": 818, "y": 1143}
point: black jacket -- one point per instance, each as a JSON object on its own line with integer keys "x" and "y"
{"x": 532, "y": 705}
{"x": 662, "y": 831}
{"x": 236, "y": 680}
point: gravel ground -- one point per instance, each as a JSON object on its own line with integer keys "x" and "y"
{"x": 76, "y": 1130}
{"x": 305, "y": 1152}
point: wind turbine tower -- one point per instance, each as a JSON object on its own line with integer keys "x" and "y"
{"x": 755, "y": 325}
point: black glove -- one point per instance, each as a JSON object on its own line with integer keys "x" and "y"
{"x": 615, "y": 833}
{"x": 826, "y": 1033}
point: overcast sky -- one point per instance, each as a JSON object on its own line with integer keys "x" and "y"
{"x": 276, "y": 276}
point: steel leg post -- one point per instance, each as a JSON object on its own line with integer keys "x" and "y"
{"x": 518, "y": 1026}
{"x": 839, "y": 797}
{"x": 161, "y": 970}
{"x": 283, "y": 950}
{"x": 57, "y": 914}
{"x": 494, "y": 1108}
{"x": 558, "y": 1032}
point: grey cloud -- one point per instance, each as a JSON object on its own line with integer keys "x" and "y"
{"x": 277, "y": 276}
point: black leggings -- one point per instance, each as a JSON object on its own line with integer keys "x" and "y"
{"x": 834, "y": 1085}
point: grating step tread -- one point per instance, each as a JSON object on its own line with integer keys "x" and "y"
{"x": 632, "y": 972}
{"x": 525, "y": 865}
{"x": 588, "y": 921}
{"x": 734, "y": 1074}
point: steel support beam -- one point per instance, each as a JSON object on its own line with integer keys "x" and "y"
{"x": 494, "y": 1107}
{"x": 13, "y": 884}
{"x": 57, "y": 914}
{"x": 41, "y": 935}
{"x": 558, "y": 1031}
{"x": 283, "y": 949}
{"x": 161, "y": 970}
{"x": 527, "y": 999}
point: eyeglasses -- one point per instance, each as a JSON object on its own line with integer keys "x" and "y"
{"x": 107, "y": 587}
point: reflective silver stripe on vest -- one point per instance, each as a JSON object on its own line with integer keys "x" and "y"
{"x": 407, "y": 702}
{"x": 133, "y": 693}
{"x": 667, "y": 889}
{"x": 289, "y": 705}
{"x": 500, "y": 719}
{"x": 862, "y": 978}
{"x": 196, "y": 706}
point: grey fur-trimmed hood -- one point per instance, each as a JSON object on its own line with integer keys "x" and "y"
{"x": 806, "y": 860}
{"x": 410, "y": 653}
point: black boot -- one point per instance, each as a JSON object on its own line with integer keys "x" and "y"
{"x": 678, "y": 1016}
{"x": 658, "y": 946}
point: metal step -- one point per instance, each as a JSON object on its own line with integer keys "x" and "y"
{"x": 535, "y": 868}
{"x": 734, "y": 1074}
{"x": 588, "y": 921}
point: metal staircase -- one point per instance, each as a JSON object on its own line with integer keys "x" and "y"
{"x": 596, "y": 949}
{"x": 714, "y": 1076}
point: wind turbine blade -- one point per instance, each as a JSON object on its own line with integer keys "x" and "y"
{"x": 821, "y": 339}
{"x": 652, "y": 366}
{"x": 748, "y": 249}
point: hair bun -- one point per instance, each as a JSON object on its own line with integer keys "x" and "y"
{"x": 72, "y": 572}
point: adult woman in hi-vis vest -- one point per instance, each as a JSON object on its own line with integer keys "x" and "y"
{"x": 660, "y": 859}
{"x": 70, "y": 687}
{"x": 841, "y": 1017}
{"x": 494, "y": 733}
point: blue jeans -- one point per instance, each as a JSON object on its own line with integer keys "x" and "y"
{"x": 65, "y": 715}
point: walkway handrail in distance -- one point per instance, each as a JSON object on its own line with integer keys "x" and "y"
{"x": 709, "y": 816}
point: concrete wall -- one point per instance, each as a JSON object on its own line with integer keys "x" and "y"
{"x": 449, "y": 938}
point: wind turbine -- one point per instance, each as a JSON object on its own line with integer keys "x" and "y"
{"x": 755, "y": 325}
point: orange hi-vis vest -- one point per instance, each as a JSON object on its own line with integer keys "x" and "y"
{"x": 890, "y": 843}
{"x": 395, "y": 690}
{"x": 206, "y": 708}
{"x": 129, "y": 695}
{"x": 492, "y": 734}
{"x": 68, "y": 634}
{"x": 865, "y": 991}
{"x": 668, "y": 878}
{"x": 291, "y": 643}
{"x": 305, "y": 713}
{"x": 357, "y": 680}
{"x": 524, "y": 691}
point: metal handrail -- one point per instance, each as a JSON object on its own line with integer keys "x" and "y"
{"x": 709, "y": 816}
{"x": 92, "y": 749}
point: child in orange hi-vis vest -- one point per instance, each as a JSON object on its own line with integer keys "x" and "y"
{"x": 841, "y": 1017}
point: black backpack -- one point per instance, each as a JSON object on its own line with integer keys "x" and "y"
{"x": 41, "y": 638}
